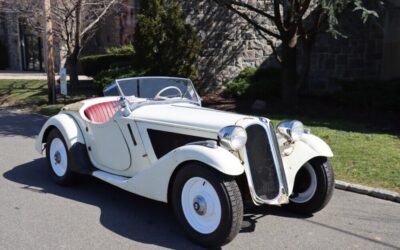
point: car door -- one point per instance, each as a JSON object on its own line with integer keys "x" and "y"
{"x": 139, "y": 156}
{"x": 107, "y": 146}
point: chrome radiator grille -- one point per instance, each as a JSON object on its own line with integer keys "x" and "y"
{"x": 261, "y": 161}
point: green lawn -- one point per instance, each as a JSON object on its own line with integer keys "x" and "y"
{"x": 364, "y": 154}
{"x": 369, "y": 158}
{"x": 23, "y": 91}
{"x": 31, "y": 94}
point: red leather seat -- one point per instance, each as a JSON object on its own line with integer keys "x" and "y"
{"x": 101, "y": 112}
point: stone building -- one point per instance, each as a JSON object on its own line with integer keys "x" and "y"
{"x": 24, "y": 46}
{"x": 372, "y": 50}
{"x": 115, "y": 30}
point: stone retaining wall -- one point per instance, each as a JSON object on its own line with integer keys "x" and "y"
{"x": 230, "y": 45}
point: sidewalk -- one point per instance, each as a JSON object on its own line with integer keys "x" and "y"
{"x": 26, "y": 75}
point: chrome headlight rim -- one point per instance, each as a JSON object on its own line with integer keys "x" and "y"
{"x": 292, "y": 130}
{"x": 232, "y": 137}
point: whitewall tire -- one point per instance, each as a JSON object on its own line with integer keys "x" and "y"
{"x": 58, "y": 158}
{"x": 207, "y": 204}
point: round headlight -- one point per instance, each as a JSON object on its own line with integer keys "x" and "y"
{"x": 233, "y": 137}
{"x": 292, "y": 130}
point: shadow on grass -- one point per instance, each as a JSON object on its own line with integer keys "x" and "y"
{"x": 318, "y": 113}
{"x": 27, "y": 92}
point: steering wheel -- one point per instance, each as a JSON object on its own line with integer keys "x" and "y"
{"x": 158, "y": 95}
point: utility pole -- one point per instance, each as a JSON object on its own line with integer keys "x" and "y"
{"x": 51, "y": 81}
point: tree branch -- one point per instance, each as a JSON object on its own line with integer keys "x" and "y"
{"x": 250, "y": 7}
{"x": 278, "y": 18}
{"x": 248, "y": 19}
{"x": 103, "y": 13}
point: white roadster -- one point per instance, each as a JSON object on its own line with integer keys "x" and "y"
{"x": 151, "y": 136}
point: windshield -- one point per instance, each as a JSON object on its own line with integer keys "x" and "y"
{"x": 154, "y": 88}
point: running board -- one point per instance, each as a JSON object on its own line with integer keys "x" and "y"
{"x": 138, "y": 184}
{"x": 113, "y": 179}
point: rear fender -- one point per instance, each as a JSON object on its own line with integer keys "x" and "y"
{"x": 70, "y": 130}
{"x": 68, "y": 127}
{"x": 309, "y": 147}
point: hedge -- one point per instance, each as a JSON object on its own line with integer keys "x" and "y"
{"x": 382, "y": 95}
{"x": 106, "y": 77}
{"x": 252, "y": 83}
{"x": 94, "y": 64}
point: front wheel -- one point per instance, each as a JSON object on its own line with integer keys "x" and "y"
{"x": 207, "y": 204}
{"x": 313, "y": 187}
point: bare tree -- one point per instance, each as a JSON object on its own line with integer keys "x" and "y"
{"x": 75, "y": 23}
{"x": 294, "y": 23}
{"x": 51, "y": 81}
{"x": 29, "y": 12}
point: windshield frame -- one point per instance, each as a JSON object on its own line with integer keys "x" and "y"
{"x": 121, "y": 94}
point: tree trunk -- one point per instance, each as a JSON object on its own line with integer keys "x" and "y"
{"x": 51, "y": 81}
{"x": 72, "y": 67}
{"x": 289, "y": 74}
{"x": 307, "y": 49}
{"x": 72, "y": 59}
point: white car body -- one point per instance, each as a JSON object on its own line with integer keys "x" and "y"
{"x": 137, "y": 169}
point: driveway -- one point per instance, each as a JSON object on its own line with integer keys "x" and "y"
{"x": 24, "y": 75}
{"x": 35, "y": 213}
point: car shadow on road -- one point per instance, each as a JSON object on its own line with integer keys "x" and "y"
{"x": 12, "y": 123}
{"x": 254, "y": 214}
{"x": 123, "y": 213}
{"x": 131, "y": 216}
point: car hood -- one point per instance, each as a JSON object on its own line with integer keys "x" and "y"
{"x": 187, "y": 115}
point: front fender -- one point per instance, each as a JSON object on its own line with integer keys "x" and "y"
{"x": 217, "y": 157}
{"x": 66, "y": 125}
{"x": 309, "y": 147}
{"x": 153, "y": 182}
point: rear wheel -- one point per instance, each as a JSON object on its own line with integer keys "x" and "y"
{"x": 313, "y": 187}
{"x": 207, "y": 204}
{"x": 58, "y": 159}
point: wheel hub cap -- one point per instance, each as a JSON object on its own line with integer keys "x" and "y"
{"x": 57, "y": 157}
{"x": 200, "y": 205}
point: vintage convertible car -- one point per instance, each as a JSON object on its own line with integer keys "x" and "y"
{"x": 151, "y": 136}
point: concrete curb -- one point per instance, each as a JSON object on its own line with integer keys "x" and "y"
{"x": 374, "y": 192}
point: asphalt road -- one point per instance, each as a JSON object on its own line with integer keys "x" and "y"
{"x": 35, "y": 213}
